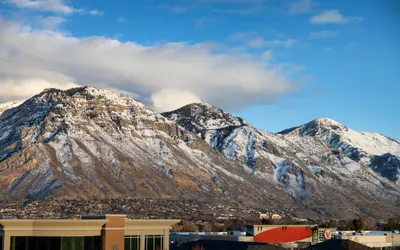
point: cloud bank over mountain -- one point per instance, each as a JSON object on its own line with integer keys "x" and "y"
{"x": 164, "y": 76}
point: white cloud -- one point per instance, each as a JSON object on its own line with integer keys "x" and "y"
{"x": 122, "y": 20}
{"x": 96, "y": 13}
{"x": 21, "y": 88}
{"x": 260, "y": 42}
{"x": 256, "y": 42}
{"x": 240, "y": 11}
{"x": 241, "y": 35}
{"x": 163, "y": 75}
{"x": 45, "y": 5}
{"x": 285, "y": 43}
{"x": 234, "y": 1}
{"x": 323, "y": 34}
{"x": 171, "y": 99}
{"x": 300, "y": 6}
{"x": 267, "y": 55}
{"x": 332, "y": 16}
{"x": 173, "y": 8}
{"x": 203, "y": 20}
{"x": 52, "y": 21}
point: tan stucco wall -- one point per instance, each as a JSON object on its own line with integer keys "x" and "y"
{"x": 150, "y": 227}
{"x": 113, "y": 232}
{"x": 112, "y": 228}
{"x": 375, "y": 241}
{"x": 50, "y": 228}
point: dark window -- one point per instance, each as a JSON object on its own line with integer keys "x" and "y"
{"x": 132, "y": 242}
{"x": 154, "y": 242}
{"x": 55, "y": 243}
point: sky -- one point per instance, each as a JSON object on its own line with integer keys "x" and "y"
{"x": 276, "y": 63}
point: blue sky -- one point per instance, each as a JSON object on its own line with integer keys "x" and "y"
{"x": 279, "y": 63}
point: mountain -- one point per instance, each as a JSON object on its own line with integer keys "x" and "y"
{"x": 92, "y": 143}
{"x": 380, "y": 153}
{"x": 309, "y": 162}
{"x": 88, "y": 142}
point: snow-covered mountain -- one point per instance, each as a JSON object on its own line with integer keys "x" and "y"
{"x": 307, "y": 162}
{"x": 88, "y": 142}
{"x": 380, "y": 153}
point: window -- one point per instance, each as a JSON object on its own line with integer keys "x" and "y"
{"x": 132, "y": 242}
{"x": 321, "y": 236}
{"x": 55, "y": 243}
{"x": 114, "y": 247}
{"x": 154, "y": 242}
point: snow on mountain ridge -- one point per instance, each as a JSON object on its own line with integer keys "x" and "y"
{"x": 302, "y": 160}
{"x": 327, "y": 121}
{"x": 87, "y": 142}
{"x": 332, "y": 131}
{"x": 91, "y": 142}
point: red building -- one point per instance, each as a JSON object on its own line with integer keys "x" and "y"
{"x": 277, "y": 234}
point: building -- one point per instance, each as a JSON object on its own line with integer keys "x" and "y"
{"x": 373, "y": 239}
{"x": 196, "y": 236}
{"x": 270, "y": 216}
{"x": 289, "y": 234}
{"x": 91, "y": 232}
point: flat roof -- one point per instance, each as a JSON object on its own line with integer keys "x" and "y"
{"x": 261, "y": 225}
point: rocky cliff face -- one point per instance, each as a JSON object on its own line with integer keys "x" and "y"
{"x": 87, "y": 142}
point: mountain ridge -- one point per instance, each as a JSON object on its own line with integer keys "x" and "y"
{"x": 311, "y": 147}
{"x": 87, "y": 142}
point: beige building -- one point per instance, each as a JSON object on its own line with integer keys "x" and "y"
{"x": 93, "y": 232}
{"x": 375, "y": 241}
{"x": 270, "y": 216}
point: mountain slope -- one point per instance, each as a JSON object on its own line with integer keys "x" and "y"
{"x": 379, "y": 152}
{"x": 88, "y": 142}
{"x": 303, "y": 166}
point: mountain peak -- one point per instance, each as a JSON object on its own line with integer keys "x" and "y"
{"x": 327, "y": 121}
{"x": 89, "y": 92}
{"x": 312, "y": 127}
{"x": 204, "y": 116}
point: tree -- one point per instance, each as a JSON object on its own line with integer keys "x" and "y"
{"x": 176, "y": 228}
{"x": 331, "y": 224}
{"x": 356, "y": 224}
{"x": 200, "y": 227}
{"x": 207, "y": 227}
{"x": 350, "y": 225}
{"x": 370, "y": 223}
{"x": 189, "y": 227}
{"x": 392, "y": 224}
